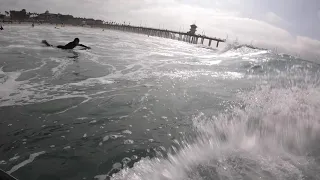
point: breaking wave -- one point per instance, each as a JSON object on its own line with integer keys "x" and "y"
{"x": 270, "y": 134}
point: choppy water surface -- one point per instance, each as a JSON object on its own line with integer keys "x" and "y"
{"x": 142, "y": 108}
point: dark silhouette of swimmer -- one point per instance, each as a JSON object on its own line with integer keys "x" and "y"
{"x": 70, "y": 45}
{"x": 1, "y": 28}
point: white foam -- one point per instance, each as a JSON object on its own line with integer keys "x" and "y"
{"x": 14, "y": 158}
{"x": 23, "y": 92}
{"x": 115, "y": 136}
{"x": 82, "y": 118}
{"x": 257, "y": 53}
{"x": 269, "y": 137}
{"x": 134, "y": 157}
{"x": 125, "y": 160}
{"x": 31, "y": 158}
{"x": 101, "y": 177}
{"x": 93, "y": 121}
{"x": 67, "y": 147}
{"x": 186, "y": 74}
{"x": 93, "y": 81}
{"x": 116, "y": 165}
{"x": 63, "y": 64}
{"x": 16, "y": 46}
{"x": 126, "y": 132}
{"x": 3, "y": 162}
{"x": 122, "y": 117}
{"x": 211, "y": 62}
{"x": 105, "y": 138}
{"x": 10, "y": 85}
{"x": 128, "y": 141}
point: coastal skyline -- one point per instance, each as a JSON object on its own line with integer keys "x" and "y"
{"x": 291, "y": 26}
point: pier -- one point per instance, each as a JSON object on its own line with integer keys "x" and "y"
{"x": 189, "y": 37}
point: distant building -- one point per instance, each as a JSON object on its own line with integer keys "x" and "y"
{"x": 19, "y": 15}
{"x": 46, "y": 16}
{"x": 55, "y": 18}
{"x": 65, "y": 18}
{"x": 193, "y": 29}
{"x": 89, "y": 21}
{"x": 99, "y": 22}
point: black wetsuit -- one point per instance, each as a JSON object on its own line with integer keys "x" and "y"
{"x": 70, "y": 45}
{"x": 1, "y": 28}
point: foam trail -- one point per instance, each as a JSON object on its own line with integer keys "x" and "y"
{"x": 9, "y": 85}
{"x": 31, "y": 158}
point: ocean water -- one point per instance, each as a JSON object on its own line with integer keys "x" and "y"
{"x": 145, "y": 108}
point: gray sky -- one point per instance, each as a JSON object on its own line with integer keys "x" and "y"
{"x": 293, "y": 26}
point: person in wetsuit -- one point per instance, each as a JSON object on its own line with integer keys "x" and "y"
{"x": 1, "y": 28}
{"x": 70, "y": 45}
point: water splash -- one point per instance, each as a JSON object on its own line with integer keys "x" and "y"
{"x": 270, "y": 134}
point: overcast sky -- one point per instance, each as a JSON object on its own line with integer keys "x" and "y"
{"x": 293, "y": 26}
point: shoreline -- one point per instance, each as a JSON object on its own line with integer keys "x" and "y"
{"x": 47, "y": 24}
